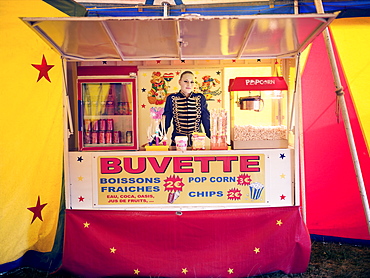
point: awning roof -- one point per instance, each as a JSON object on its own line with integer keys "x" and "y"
{"x": 180, "y": 38}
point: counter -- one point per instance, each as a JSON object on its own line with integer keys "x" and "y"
{"x": 174, "y": 180}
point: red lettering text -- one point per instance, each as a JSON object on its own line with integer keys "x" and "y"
{"x": 227, "y": 162}
{"x": 159, "y": 168}
{"x": 178, "y": 164}
{"x": 245, "y": 164}
{"x": 110, "y": 165}
{"x": 204, "y": 163}
{"x": 141, "y": 165}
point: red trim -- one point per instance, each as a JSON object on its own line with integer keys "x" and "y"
{"x": 105, "y": 70}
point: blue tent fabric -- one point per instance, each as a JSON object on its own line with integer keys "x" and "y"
{"x": 352, "y": 241}
{"x": 69, "y": 7}
{"x": 219, "y": 11}
{"x": 346, "y": 9}
{"x": 151, "y": 2}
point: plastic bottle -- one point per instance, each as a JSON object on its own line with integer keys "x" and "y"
{"x": 86, "y": 100}
{"x": 109, "y": 107}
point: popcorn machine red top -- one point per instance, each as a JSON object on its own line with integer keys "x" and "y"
{"x": 258, "y": 111}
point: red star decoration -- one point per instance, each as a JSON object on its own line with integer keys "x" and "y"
{"x": 37, "y": 210}
{"x": 234, "y": 61}
{"x": 43, "y": 68}
{"x": 143, "y": 106}
{"x": 158, "y": 61}
{"x": 219, "y": 100}
{"x": 282, "y": 197}
{"x": 177, "y": 73}
{"x": 81, "y": 199}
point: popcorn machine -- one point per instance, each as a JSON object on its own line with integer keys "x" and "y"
{"x": 258, "y": 112}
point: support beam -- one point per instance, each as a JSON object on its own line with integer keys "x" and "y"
{"x": 246, "y": 38}
{"x": 113, "y": 40}
{"x": 180, "y": 42}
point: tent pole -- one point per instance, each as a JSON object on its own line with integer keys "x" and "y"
{"x": 301, "y": 176}
{"x": 346, "y": 120}
{"x": 66, "y": 134}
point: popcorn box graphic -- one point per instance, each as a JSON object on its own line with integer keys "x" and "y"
{"x": 256, "y": 189}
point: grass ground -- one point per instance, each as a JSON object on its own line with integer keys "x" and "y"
{"x": 327, "y": 260}
{"x": 335, "y": 260}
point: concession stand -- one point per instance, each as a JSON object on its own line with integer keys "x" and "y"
{"x": 228, "y": 207}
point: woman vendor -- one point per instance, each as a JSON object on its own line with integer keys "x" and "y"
{"x": 187, "y": 110}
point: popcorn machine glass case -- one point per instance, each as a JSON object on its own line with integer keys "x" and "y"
{"x": 258, "y": 112}
{"x": 107, "y": 114}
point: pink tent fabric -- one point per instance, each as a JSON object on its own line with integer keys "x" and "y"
{"x": 334, "y": 206}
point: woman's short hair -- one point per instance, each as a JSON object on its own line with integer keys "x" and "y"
{"x": 186, "y": 72}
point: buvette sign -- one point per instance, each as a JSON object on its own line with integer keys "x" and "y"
{"x": 183, "y": 179}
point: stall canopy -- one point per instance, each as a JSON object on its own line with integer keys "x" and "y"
{"x": 180, "y": 38}
{"x": 131, "y": 8}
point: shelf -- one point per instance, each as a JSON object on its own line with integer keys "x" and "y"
{"x": 260, "y": 144}
{"x": 108, "y": 145}
{"x": 105, "y": 116}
